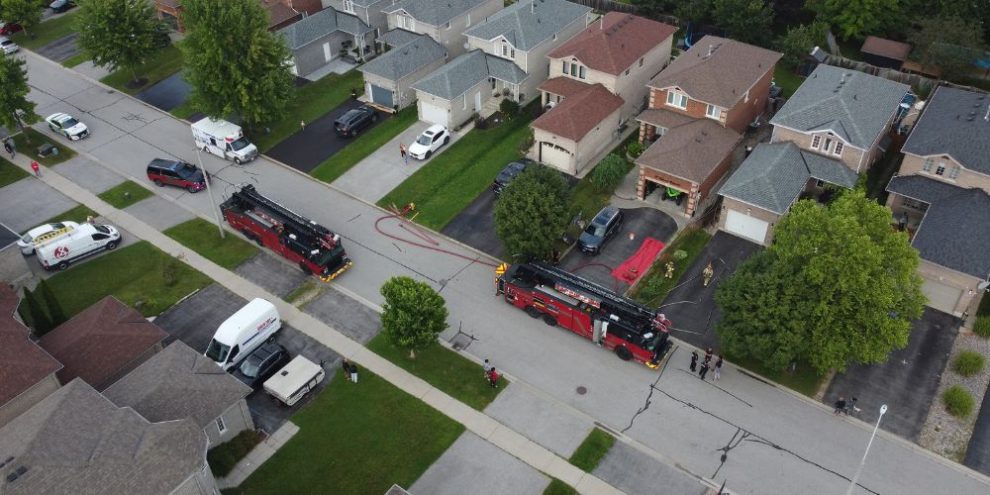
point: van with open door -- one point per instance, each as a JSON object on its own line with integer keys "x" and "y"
{"x": 242, "y": 333}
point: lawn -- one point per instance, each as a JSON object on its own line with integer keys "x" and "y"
{"x": 46, "y": 32}
{"x": 311, "y": 102}
{"x": 557, "y": 487}
{"x": 183, "y": 111}
{"x": 356, "y": 439}
{"x": 10, "y": 173}
{"x": 447, "y": 184}
{"x": 364, "y": 145}
{"x": 225, "y": 456}
{"x": 78, "y": 214}
{"x": 204, "y": 238}
{"x": 124, "y": 194}
{"x": 166, "y": 62}
{"x": 804, "y": 379}
{"x": 592, "y": 450}
{"x": 653, "y": 287}
{"x": 134, "y": 274}
{"x": 445, "y": 370}
{"x": 38, "y": 139}
{"x": 75, "y": 60}
{"x": 787, "y": 80}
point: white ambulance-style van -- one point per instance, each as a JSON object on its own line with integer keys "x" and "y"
{"x": 223, "y": 139}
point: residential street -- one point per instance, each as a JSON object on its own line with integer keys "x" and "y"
{"x": 771, "y": 440}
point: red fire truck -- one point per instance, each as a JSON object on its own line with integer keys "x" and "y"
{"x": 561, "y": 298}
{"x": 316, "y": 249}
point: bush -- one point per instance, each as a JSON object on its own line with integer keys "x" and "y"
{"x": 225, "y": 456}
{"x": 982, "y": 326}
{"x": 968, "y": 363}
{"x": 609, "y": 172}
{"x": 635, "y": 149}
{"x": 509, "y": 108}
{"x": 958, "y": 401}
{"x": 170, "y": 271}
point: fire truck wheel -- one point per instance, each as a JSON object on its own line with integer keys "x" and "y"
{"x": 532, "y": 312}
{"x": 304, "y": 268}
{"x": 550, "y": 320}
{"x": 623, "y": 353}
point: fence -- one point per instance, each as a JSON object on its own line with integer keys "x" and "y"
{"x": 608, "y": 6}
{"x": 919, "y": 82}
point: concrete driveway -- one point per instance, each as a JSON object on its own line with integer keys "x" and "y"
{"x": 475, "y": 226}
{"x": 472, "y": 465}
{"x": 348, "y": 316}
{"x": 28, "y": 202}
{"x": 272, "y": 273}
{"x": 636, "y": 473}
{"x": 167, "y": 93}
{"x": 309, "y": 147}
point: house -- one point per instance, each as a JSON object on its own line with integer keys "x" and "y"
{"x": 179, "y": 383}
{"x": 882, "y": 52}
{"x": 443, "y": 20}
{"x": 597, "y": 83}
{"x": 102, "y": 343}
{"x": 940, "y": 197}
{"x": 318, "y": 39}
{"x": 718, "y": 80}
{"x": 76, "y": 441}
{"x": 368, "y": 11}
{"x": 281, "y": 13}
{"x": 13, "y": 266}
{"x": 388, "y": 79}
{"x": 28, "y": 372}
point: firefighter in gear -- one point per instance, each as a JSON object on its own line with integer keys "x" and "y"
{"x": 670, "y": 270}
{"x": 708, "y": 273}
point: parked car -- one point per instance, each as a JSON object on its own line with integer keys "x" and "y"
{"x": 176, "y": 173}
{"x": 8, "y": 46}
{"x": 605, "y": 224}
{"x": 429, "y": 141}
{"x": 59, "y": 6}
{"x": 8, "y": 28}
{"x": 82, "y": 242}
{"x": 508, "y": 174}
{"x": 261, "y": 364}
{"x": 42, "y": 233}
{"x": 354, "y": 120}
{"x": 246, "y": 330}
{"x": 67, "y": 125}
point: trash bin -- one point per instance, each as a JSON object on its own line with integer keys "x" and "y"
{"x": 46, "y": 150}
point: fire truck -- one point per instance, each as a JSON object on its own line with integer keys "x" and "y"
{"x": 560, "y": 298}
{"x": 316, "y": 249}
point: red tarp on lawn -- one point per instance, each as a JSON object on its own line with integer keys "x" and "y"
{"x": 637, "y": 265}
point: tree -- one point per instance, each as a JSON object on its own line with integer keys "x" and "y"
{"x": 117, "y": 33}
{"x": 234, "y": 65}
{"x": 15, "y": 108}
{"x": 743, "y": 20}
{"x": 799, "y": 41}
{"x": 27, "y": 13}
{"x": 531, "y": 213}
{"x": 695, "y": 11}
{"x": 837, "y": 285}
{"x": 36, "y": 314}
{"x": 56, "y": 315}
{"x": 856, "y": 18}
{"x": 949, "y": 43}
{"x": 413, "y": 314}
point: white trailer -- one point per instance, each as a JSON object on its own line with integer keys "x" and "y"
{"x": 295, "y": 380}
{"x": 224, "y": 139}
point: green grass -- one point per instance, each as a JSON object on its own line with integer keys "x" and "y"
{"x": 204, "y": 238}
{"x": 38, "y": 139}
{"x": 804, "y": 379}
{"x": 787, "y": 80}
{"x": 134, "y": 274}
{"x": 364, "y": 145}
{"x": 557, "y": 487}
{"x": 78, "y": 214}
{"x": 982, "y": 325}
{"x": 447, "y": 184}
{"x": 445, "y": 370}
{"x": 183, "y": 111}
{"x": 46, "y": 32}
{"x": 356, "y": 439}
{"x": 654, "y": 287}
{"x": 225, "y": 456}
{"x": 311, "y": 102}
{"x": 75, "y": 59}
{"x": 307, "y": 287}
{"x": 124, "y": 194}
{"x": 968, "y": 363}
{"x": 592, "y": 450}
{"x": 162, "y": 64}
{"x": 10, "y": 173}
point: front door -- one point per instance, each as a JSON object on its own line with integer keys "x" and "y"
{"x": 327, "y": 53}
{"x": 477, "y": 102}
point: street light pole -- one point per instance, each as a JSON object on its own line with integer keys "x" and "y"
{"x": 859, "y": 470}
{"x": 209, "y": 191}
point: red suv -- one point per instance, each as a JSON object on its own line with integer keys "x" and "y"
{"x": 176, "y": 173}
{"x": 8, "y": 28}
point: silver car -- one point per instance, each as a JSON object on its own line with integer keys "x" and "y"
{"x": 8, "y": 46}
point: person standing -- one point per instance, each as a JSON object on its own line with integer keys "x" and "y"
{"x": 36, "y": 168}
{"x": 708, "y": 355}
{"x": 694, "y": 361}
{"x": 404, "y": 154}
{"x": 488, "y": 368}
{"x": 708, "y": 273}
{"x": 704, "y": 370}
{"x": 718, "y": 367}
{"x": 354, "y": 373}
{"x": 346, "y": 365}
{"x": 8, "y": 146}
{"x": 302, "y": 125}
{"x": 493, "y": 377}
{"x": 840, "y": 406}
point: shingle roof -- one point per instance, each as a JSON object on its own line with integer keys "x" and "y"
{"x": 100, "y": 341}
{"x": 886, "y": 48}
{"x": 580, "y": 112}
{"x": 528, "y": 23}
{"x": 433, "y": 12}
{"x": 398, "y": 37}
{"x": 662, "y": 118}
{"x": 563, "y": 86}
{"x": 465, "y": 71}
{"x": 691, "y": 151}
{"x": 76, "y": 441}
{"x": 717, "y": 70}
{"x": 615, "y": 42}
{"x": 278, "y": 12}
{"x": 320, "y": 24}
{"x": 954, "y": 123}
{"x": 505, "y": 70}
{"x": 24, "y": 364}
{"x": 774, "y": 175}
{"x": 955, "y": 232}
{"x": 406, "y": 59}
{"x": 853, "y": 105}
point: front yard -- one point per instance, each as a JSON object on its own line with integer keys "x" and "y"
{"x": 204, "y": 238}
{"x": 162, "y": 64}
{"x": 46, "y": 32}
{"x": 124, "y": 194}
{"x": 364, "y": 145}
{"x": 10, "y": 173}
{"x": 38, "y": 139}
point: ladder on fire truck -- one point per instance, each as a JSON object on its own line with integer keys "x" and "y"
{"x": 615, "y": 300}
{"x": 300, "y": 223}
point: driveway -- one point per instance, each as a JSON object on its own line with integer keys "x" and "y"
{"x": 61, "y": 49}
{"x": 473, "y": 465}
{"x": 475, "y": 226}
{"x": 907, "y": 382}
{"x": 28, "y": 202}
{"x": 309, "y": 147}
{"x": 167, "y": 93}
{"x": 636, "y": 473}
{"x": 346, "y": 315}
{"x": 271, "y": 273}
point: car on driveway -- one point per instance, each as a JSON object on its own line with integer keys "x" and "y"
{"x": 605, "y": 224}
{"x": 26, "y": 242}
{"x": 67, "y": 125}
{"x": 429, "y": 141}
{"x": 59, "y": 6}
{"x": 176, "y": 173}
{"x": 508, "y": 174}
{"x": 354, "y": 120}
{"x": 8, "y": 46}
{"x": 8, "y": 28}
{"x": 261, "y": 364}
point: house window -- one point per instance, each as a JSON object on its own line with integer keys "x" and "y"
{"x": 465, "y": 101}
{"x": 828, "y": 145}
{"x": 220, "y": 425}
{"x": 640, "y": 62}
{"x": 574, "y": 69}
{"x": 914, "y": 204}
{"x": 927, "y": 166}
{"x": 838, "y": 148}
{"x": 508, "y": 51}
{"x": 406, "y": 23}
{"x": 349, "y": 6}
{"x": 565, "y": 67}
{"x": 676, "y": 100}
{"x": 816, "y": 141}
{"x": 954, "y": 172}
{"x": 746, "y": 97}
{"x": 940, "y": 170}
{"x": 581, "y": 72}
{"x": 713, "y": 112}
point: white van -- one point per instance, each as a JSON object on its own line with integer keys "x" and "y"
{"x": 242, "y": 333}
{"x": 42, "y": 234}
{"x": 295, "y": 380}
{"x": 223, "y": 139}
{"x": 83, "y": 241}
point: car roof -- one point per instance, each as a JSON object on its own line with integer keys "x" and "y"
{"x": 434, "y": 129}
{"x": 58, "y": 117}
{"x": 606, "y": 214}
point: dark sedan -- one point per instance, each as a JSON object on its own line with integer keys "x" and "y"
{"x": 508, "y": 174}
{"x": 354, "y": 120}
{"x": 261, "y": 364}
{"x": 59, "y": 6}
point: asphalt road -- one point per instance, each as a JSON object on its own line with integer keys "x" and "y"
{"x": 167, "y": 93}
{"x": 978, "y": 452}
{"x": 309, "y": 147}
{"x": 475, "y": 226}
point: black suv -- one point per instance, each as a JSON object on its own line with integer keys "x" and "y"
{"x": 605, "y": 224}
{"x": 354, "y": 120}
{"x": 508, "y": 174}
{"x": 261, "y": 364}
{"x": 176, "y": 173}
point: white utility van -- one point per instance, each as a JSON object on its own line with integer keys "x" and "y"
{"x": 81, "y": 242}
{"x": 42, "y": 234}
{"x": 223, "y": 139}
{"x": 295, "y": 380}
{"x": 242, "y": 333}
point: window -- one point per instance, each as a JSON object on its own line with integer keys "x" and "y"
{"x": 465, "y": 101}
{"x": 838, "y": 148}
{"x": 574, "y": 69}
{"x": 565, "y": 65}
{"x": 914, "y": 204}
{"x": 954, "y": 172}
{"x": 940, "y": 170}
{"x": 816, "y": 141}
{"x": 220, "y": 425}
{"x": 828, "y": 145}
{"x": 676, "y": 100}
{"x": 349, "y": 6}
{"x": 927, "y": 166}
{"x": 406, "y": 22}
{"x": 746, "y": 97}
{"x": 713, "y": 112}
{"x": 581, "y": 73}
{"x": 508, "y": 51}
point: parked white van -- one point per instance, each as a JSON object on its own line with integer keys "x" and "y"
{"x": 82, "y": 242}
{"x": 42, "y": 234}
{"x": 295, "y": 380}
{"x": 224, "y": 139}
{"x": 238, "y": 336}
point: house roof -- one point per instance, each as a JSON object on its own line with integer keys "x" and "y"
{"x": 278, "y": 12}
{"x": 398, "y": 37}
{"x": 100, "y": 341}
{"x": 853, "y": 105}
{"x": 774, "y": 175}
{"x": 320, "y": 24}
{"x": 505, "y": 70}
{"x": 615, "y": 42}
{"x": 691, "y": 151}
{"x": 954, "y": 232}
{"x": 76, "y": 441}
{"x": 528, "y": 23}
{"x": 955, "y": 123}
{"x": 580, "y": 112}
{"x": 433, "y": 12}
{"x": 24, "y": 363}
{"x": 662, "y": 118}
{"x": 465, "y": 71}
{"x": 563, "y": 86}
{"x": 406, "y": 59}
{"x": 178, "y": 383}
{"x": 886, "y": 48}
{"x": 717, "y": 70}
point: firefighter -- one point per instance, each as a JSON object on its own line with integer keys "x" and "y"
{"x": 670, "y": 270}
{"x": 708, "y": 273}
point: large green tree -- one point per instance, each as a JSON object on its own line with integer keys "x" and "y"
{"x": 800, "y": 40}
{"x": 531, "y": 213}
{"x": 117, "y": 33}
{"x": 233, "y": 63}
{"x": 743, "y": 20}
{"x": 413, "y": 314}
{"x": 857, "y": 19}
{"x": 27, "y": 13}
{"x": 15, "y": 108}
{"x": 837, "y": 285}
{"x": 948, "y": 42}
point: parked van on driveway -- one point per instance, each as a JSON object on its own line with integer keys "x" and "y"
{"x": 82, "y": 242}
{"x": 247, "y": 329}
{"x": 43, "y": 234}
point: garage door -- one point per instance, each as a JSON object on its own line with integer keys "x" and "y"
{"x": 433, "y": 114}
{"x": 555, "y": 156}
{"x": 381, "y": 96}
{"x": 940, "y": 296}
{"x": 746, "y": 226}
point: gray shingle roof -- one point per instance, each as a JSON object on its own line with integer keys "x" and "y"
{"x": 954, "y": 123}
{"x": 434, "y": 12}
{"x": 398, "y": 37}
{"x": 528, "y": 23}
{"x": 406, "y": 59}
{"x": 505, "y": 70}
{"x": 774, "y": 174}
{"x": 955, "y": 232}
{"x": 853, "y": 105}
{"x": 313, "y": 27}
{"x": 465, "y": 71}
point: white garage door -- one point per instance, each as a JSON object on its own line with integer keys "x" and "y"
{"x": 746, "y": 226}
{"x": 433, "y": 114}
{"x": 555, "y": 156}
{"x": 940, "y": 296}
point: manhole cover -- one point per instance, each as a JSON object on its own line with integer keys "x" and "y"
{"x": 582, "y": 390}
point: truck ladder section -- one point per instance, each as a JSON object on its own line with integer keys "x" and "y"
{"x": 298, "y": 222}
{"x": 616, "y": 301}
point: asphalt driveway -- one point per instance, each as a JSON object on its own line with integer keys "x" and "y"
{"x": 167, "y": 93}
{"x": 276, "y": 275}
{"x": 475, "y": 226}
{"x": 61, "y": 49}
{"x": 309, "y": 147}
{"x": 978, "y": 452}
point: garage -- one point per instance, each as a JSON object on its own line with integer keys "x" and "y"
{"x": 380, "y": 95}
{"x": 746, "y": 226}
{"x": 433, "y": 114}
{"x": 555, "y": 156}
{"x": 940, "y": 296}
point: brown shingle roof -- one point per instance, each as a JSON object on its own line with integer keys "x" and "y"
{"x": 662, "y": 118}
{"x": 691, "y": 151}
{"x": 279, "y": 13}
{"x": 22, "y": 363}
{"x": 99, "y": 342}
{"x": 564, "y": 86}
{"x": 579, "y": 113}
{"x": 717, "y": 70}
{"x": 886, "y": 48}
{"x": 615, "y": 42}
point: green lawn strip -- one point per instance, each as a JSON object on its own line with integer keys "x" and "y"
{"x": 204, "y": 238}
{"x": 356, "y": 439}
{"x": 134, "y": 274}
{"x": 557, "y": 487}
{"x": 78, "y": 214}
{"x": 46, "y": 32}
{"x": 10, "y": 173}
{"x": 592, "y": 450}
{"x": 38, "y": 139}
{"x": 225, "y": 456}
{"x": 444, "y": 369}
{"x": 653, "y": 287}
{"x": 787, "y": 80}
{"x": 124, "y": 194}
{"x": 162, "y": 64}
{"x": 364, "y": 145}
{"x": 75, "y": 60}
{"x": 311, "y": 102}
{"x": 804, "y": 379}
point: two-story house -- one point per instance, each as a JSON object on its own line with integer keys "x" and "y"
{"x": 698, "y": 107}
{"x": 443, "y": 20}
{"x": 940, "y": 196}
{"x": 597, "y": 83}
{"x": 319, "y": 39}
{"x": 369, "y": 11}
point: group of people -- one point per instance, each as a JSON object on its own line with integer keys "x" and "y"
{"x": 707, "y": 365}
{"x": 843, "y": 407}
{"x": 350, "y": 371}
{"x": 490, "y": 374}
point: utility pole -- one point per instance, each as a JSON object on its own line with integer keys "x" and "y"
{"x": 209, "y": 191}
{"x": 859, "y": 470}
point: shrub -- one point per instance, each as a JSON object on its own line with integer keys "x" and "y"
{"x": 679, "y": 255}
{"x": 968, "y": 363}
{"x": 170, "y": 271}
{"x": 509, "y": 108}
{"x": 608, "y": 173}
{"x": 958, "y": 401}
{"x": 635, "y": 149}
{"x": 982, "y": 326}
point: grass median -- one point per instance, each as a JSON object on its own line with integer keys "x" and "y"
{"x": 364, "y": 145}
{"x": 37, "y": 140}
{"x": 124, "y": 194}
{"x": 654, "y": 287}
{"x": 78, "y": 214}
{"x": 10, "y": 173}
{"x": 204, "y": 238}
{"x": 46, "y": 32}
{"x": 160, "y": 65}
